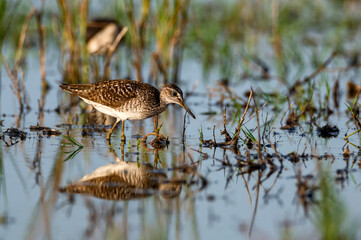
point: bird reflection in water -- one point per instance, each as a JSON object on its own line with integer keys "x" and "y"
{"x": 125, "y": 181}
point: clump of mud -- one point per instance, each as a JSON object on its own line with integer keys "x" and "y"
{"x": 15, "y": 133}
{"x": 328, "y": 131}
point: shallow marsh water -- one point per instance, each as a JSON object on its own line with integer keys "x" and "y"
{"x": 218, "y": 198}
{"x": 222, "y": 209}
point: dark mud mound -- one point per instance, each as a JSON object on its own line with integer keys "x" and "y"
{"x": 328, "y": 131}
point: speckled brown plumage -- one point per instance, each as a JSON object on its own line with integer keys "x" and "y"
{"x": 116, "y": 93}
{"x": 124, "y": 181}
{"x": 127, "y": 99}
{"x": 110, "y": 187}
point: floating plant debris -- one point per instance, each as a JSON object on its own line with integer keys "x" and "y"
{"x": 51, "y": 132}
{"x": 46, "y": 130}
{"x": 37, "y": 128}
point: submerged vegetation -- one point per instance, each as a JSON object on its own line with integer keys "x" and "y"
{"x": 277, "y": 119}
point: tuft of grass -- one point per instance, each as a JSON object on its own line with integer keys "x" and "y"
{"x": 158, "y": 29}
{"x": 330, "y": 214}
{"x": 171, "y": 21}
{"x": 248, "y": 134}
{"x": 351, "y": 108}
{"x": 201, "y": 136}
{"x": 16, "y": 72}
{"x": 7, "y": 13}
{"x": 72, "y": 142}
{"x": 72, "y": 44}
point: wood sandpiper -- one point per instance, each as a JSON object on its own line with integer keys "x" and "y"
{"x": 127, "y": 99}
{"x": 100, "y": 34}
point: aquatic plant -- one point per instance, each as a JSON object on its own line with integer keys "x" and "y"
{"x": 330, "y": 213}
{"x": 72, "y": 142}
{"x": 72, "y": 27}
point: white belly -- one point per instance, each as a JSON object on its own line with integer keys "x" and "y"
{"x": 114, "y": 113}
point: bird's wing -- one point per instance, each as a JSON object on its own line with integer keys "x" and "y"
{"x": 111, "y": 93}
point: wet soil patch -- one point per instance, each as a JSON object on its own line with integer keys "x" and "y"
{"x": 328, "y": 131}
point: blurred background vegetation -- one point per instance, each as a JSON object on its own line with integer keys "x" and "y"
{"x": 236, "y": 38}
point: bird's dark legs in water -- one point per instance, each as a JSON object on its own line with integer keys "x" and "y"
{"x": 112, "y": 129}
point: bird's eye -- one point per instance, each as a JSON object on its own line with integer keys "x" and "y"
{"x": 174, "y": 94}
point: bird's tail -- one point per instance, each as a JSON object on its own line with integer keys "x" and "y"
{"x": 78, "y": 89}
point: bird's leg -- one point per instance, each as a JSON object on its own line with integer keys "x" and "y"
{"x": 111, "y": 130}
{"x": 156, "y": 158}
{"x": 159, "y": 140}
{"x": 156, "y": 130}
{"x": 122, "y": 137}
{"x": 122, "y": 151}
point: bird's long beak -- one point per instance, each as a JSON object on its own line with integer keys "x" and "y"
{"x": 182, "y": 104}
